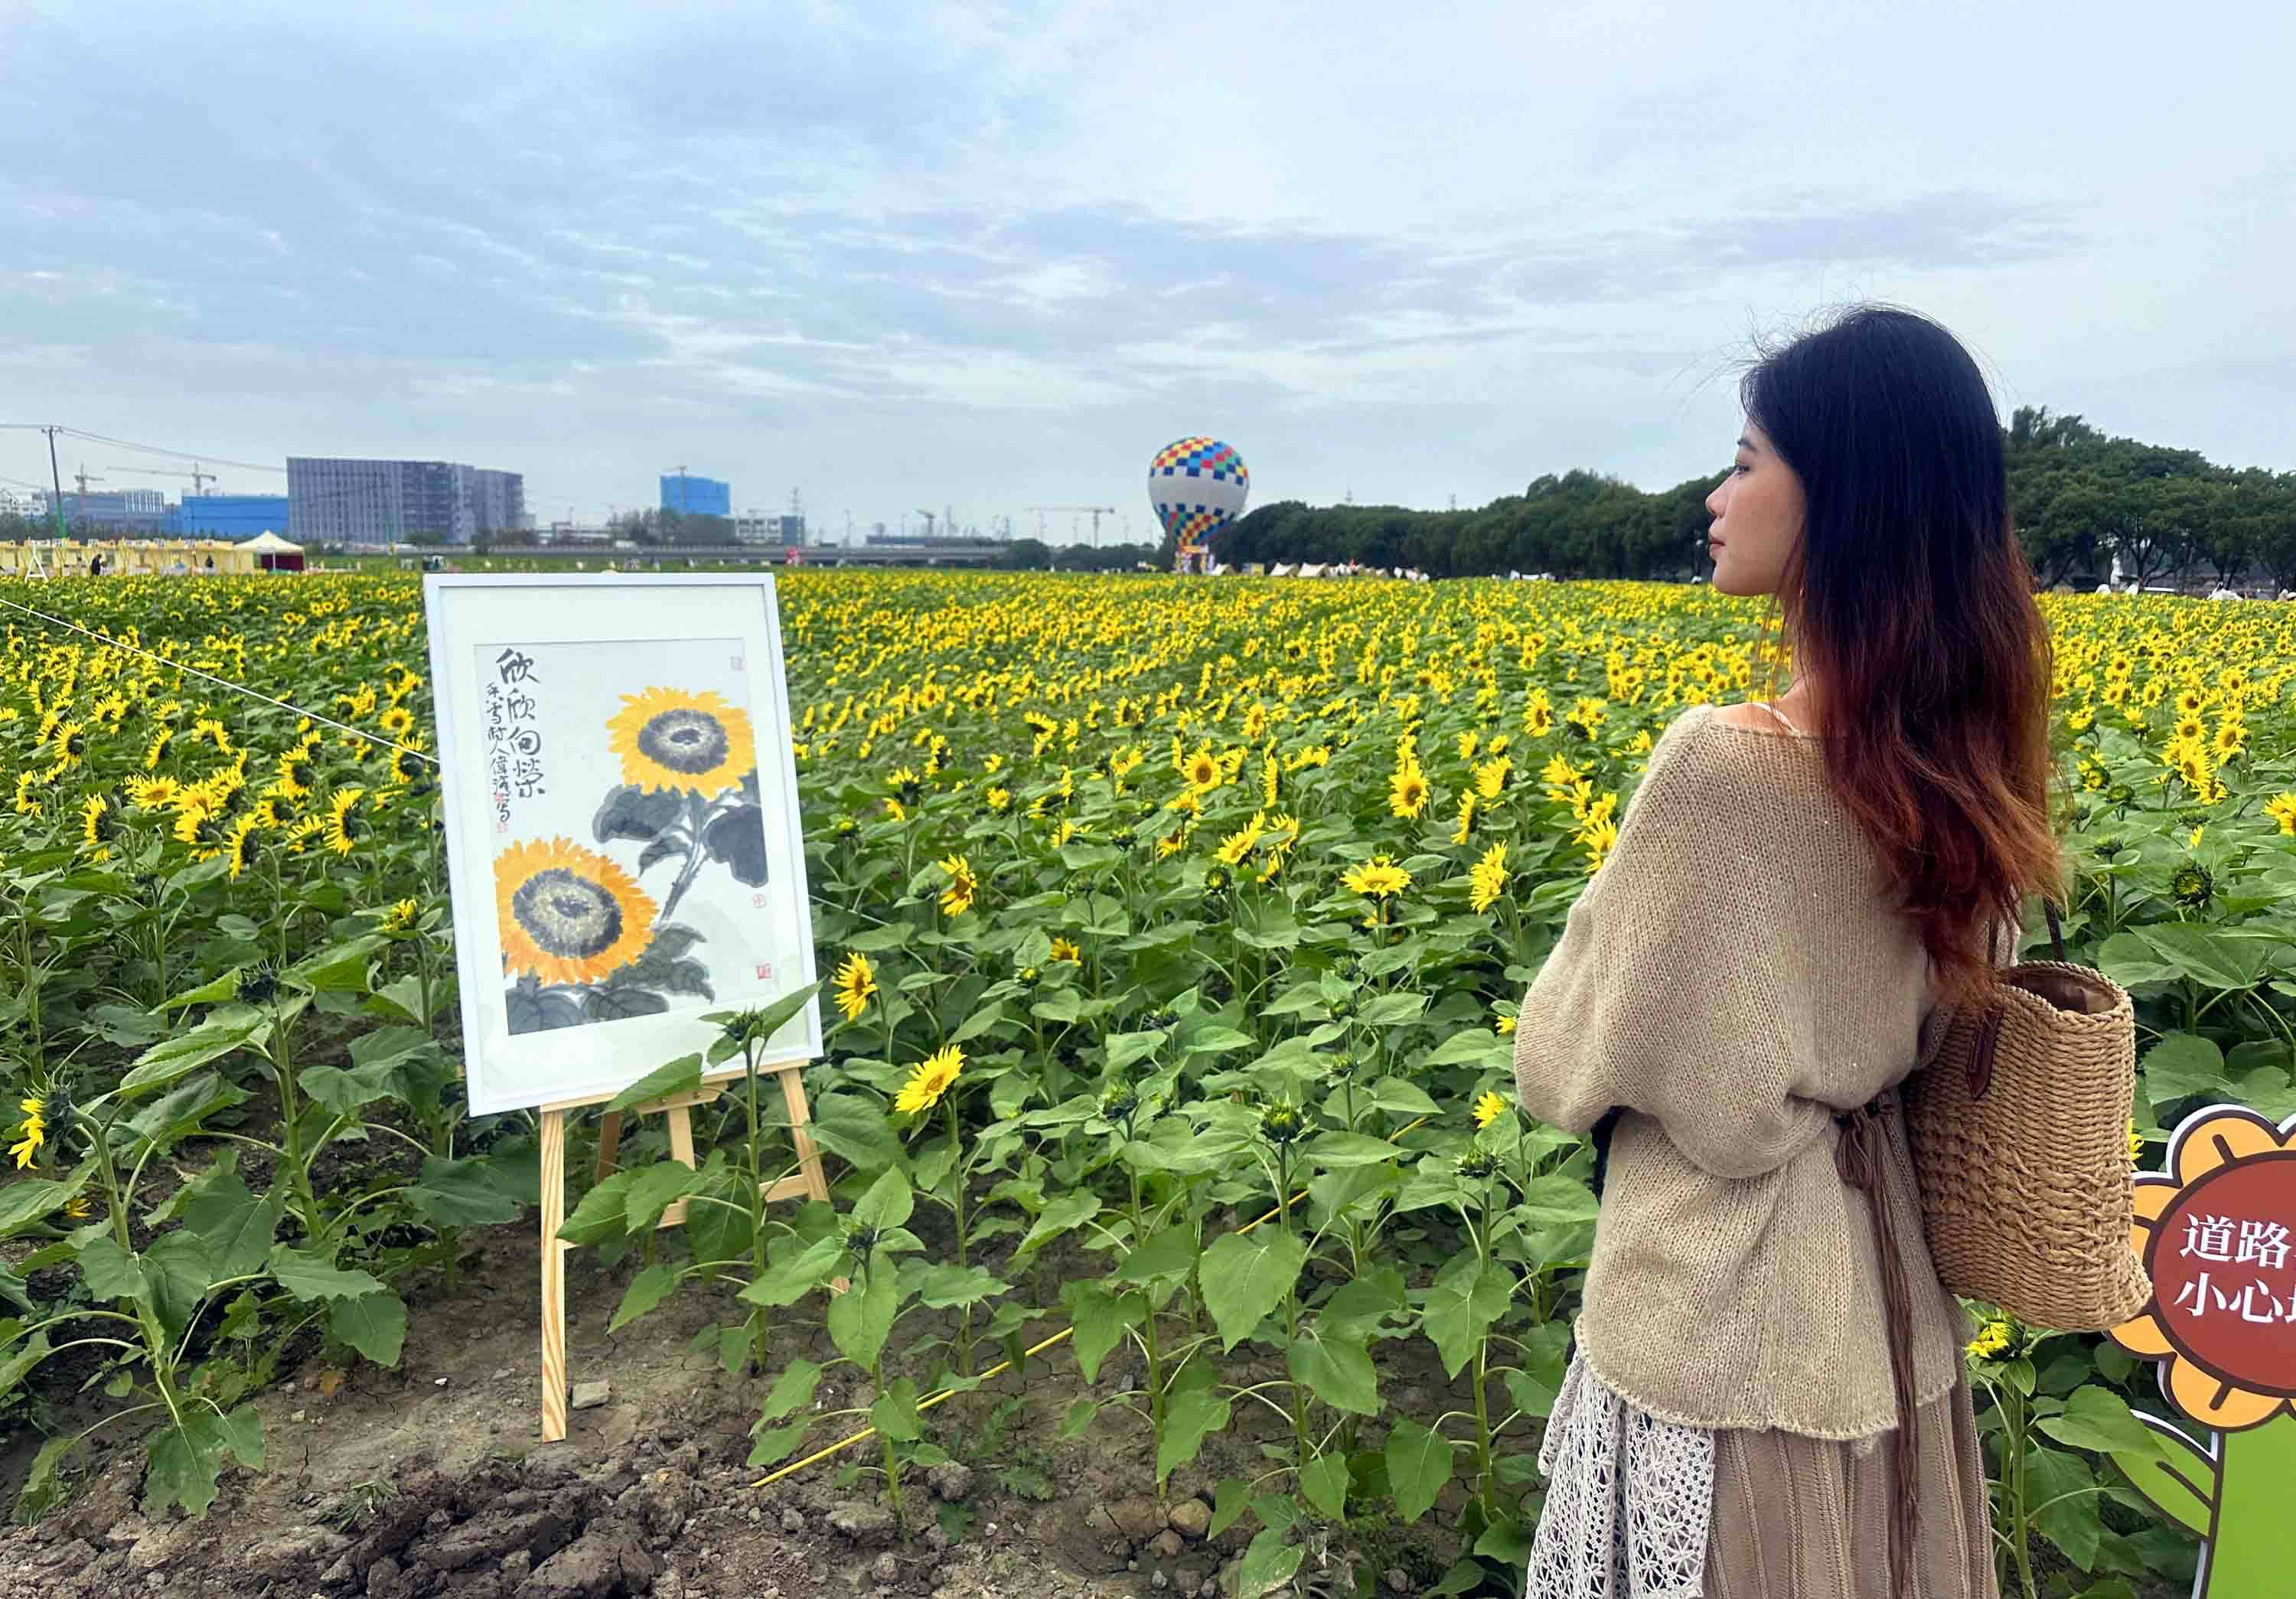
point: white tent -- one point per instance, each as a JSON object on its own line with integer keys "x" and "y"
{"x": 267, "y": 543}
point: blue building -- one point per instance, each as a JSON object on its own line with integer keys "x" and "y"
{"x": 237, "y": 517}
{"x": 696, "y": 496}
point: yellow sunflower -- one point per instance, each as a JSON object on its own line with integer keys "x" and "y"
{"x": 1488, "y": 1107}
{"x": 856, "y": 980}
{"x": 568, "y": 914}
{"x": 1487, "y": 879}
{"x": 932, "y": 1078}
{"x": 99, "y": 825}
{"x": 26, "y": 806}
{"x": 344, "y": 826}
{"x": 398, "y": 721}
{"x": 1407, "y": 791}
{"x": 246, "y": 844}
{"x": 35, "y": 1131}
{"x": 2207, "y": 1317}
{"x": 1377, "y": 878}
{"x": 198, "y": 824}
{"x": 298, "y": 774}
{"x": 407, "y": 767}
{"x": 1067, "y": 949}
{"x": 669, "y": 738}
{"x": 963, "y": 887}
{"x": 400, "y": 918}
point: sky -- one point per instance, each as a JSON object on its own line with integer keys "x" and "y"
{"x": 989, "y": 257}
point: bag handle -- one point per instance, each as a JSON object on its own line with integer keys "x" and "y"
{"x": 1989, "y": 1028}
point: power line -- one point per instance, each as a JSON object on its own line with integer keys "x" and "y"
{"x": 149, "y": 450}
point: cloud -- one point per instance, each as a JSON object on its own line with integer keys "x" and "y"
{"x": 995, "y": 254}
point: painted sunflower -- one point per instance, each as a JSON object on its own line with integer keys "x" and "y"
{"x": 669, "y": 738}
{"x": 568, "y": 914}
{"x": 2210, "y": 1230}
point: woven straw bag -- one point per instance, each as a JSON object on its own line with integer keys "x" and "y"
{"x": 2018, "y": 1123}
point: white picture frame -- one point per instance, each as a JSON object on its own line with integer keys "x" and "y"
{"x": 626, "y": 715}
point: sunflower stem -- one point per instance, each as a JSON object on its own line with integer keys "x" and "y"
{"x": 697, "y": 811}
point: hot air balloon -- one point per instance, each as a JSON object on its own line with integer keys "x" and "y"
{"x": 1198, "y": 487}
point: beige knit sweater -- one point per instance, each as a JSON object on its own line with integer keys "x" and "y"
{"x": 1733, "y": 976}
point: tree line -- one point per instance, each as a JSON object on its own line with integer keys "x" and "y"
{"x": 2076, "y": 498}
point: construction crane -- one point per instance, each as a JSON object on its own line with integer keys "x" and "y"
{"x": 1095, "y": 512}
{"x": 931, "y": 518}
{"x": 83, "y": 480}
{"x": 199, "y": 478}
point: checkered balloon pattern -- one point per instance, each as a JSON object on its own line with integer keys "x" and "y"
{"x": 1198, "y": 487}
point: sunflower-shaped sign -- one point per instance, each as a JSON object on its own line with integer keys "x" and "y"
{"x": 2216, "y": 1232}
{"x": 689, "y": 790}
{"x": 579, "y": 935}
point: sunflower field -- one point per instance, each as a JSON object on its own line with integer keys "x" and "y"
{"x": 1171, "y": 935}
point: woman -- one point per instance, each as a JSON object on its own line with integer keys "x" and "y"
{"x": 1767, "y": 1397}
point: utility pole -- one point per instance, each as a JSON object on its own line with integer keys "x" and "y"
{"x": 56, "y": 500}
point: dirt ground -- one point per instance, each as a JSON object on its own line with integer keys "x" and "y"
{"x": 431, "y": 1479}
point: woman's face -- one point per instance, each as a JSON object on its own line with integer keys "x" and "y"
{"x": 1757, "y": 510}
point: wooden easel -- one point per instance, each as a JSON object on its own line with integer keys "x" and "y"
{"x": 809, "y": 1183}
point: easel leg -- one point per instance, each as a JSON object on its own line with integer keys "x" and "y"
{"x": 553, "y": 1276}
{"x": 816, "y": 1185}
{"x": 609, "y": 1145}
{"x": 681, "y": 1150}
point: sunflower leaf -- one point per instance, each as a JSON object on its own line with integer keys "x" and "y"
{"x": 738, "y": 838}
{"x": 636, "y": 816}
{"x": 619, "y": 1002}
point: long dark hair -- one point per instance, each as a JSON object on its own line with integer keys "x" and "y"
{"x": 1909, "y": 604}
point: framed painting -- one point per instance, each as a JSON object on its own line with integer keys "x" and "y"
{"x": 624, "y": 849}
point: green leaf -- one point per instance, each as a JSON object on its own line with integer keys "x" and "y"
{"x": 1065, "y": 1214}
{"x": 221, "y": 990}
{"x": 178, "y": 1270}
{"x": 854, "y": 1129}
{"x": 792, "y": 1390}
{"x": 2071, "y": 1523}
{"x": 2181, "y": 1066}
{"x": 1341, "y": 1150}
{"x": 647, "y": 1290}
{"x": 375, "y": 1326}
{"x": 1337, "y": 1372}
{"x": 1358, "y": 1306}
{"x": 2129, "y": 960}
{"x": 1419, "y": 1463}
{"x": 787, "y": 1281}
{"x": 240, "y": 1026}
{"x": 777, "y": 1444}
{"x": 2210, "y": 958}
{"x": 41, "y": 1491}
{"x": 603, "y": 1213}
{"x": 2098, "y": 1420}
{"x": 1325, "y": 1485}
{"x": 1100, "y": 1318}
{"x": 1392, "y": 1010}
{"x": 1169, "y": 1257}
{"x": 109, "y": 1271}
{"x": 2175, "y": 1476}
{"x": 1472, "y": 1046}
{"x": 1268, "y": 1563}
{"x": 30, "y": 1201}
{"x": 183, "y": 1464}
{"x": 16, "y": 1364}
{"x": 1507, "y": 1542}
{"x": 681, "y": 1076}
{"x": 653, "y": 1189}
{"x": 309, "y": 1277}
{"x": 1245, "y": 1275}
{"x": 946, "y": 1286}
{"x": 340, "y": 969}
{"x": 460, "y": 1194}
{"x": 1190, "y": 1418}
{"x": 895, "y": 1412}
{"x": 1466, "y": 1299}
{"x": 1229, "y": 1502}
{"x": 860, "y": 1318}
{"x": 1555, "y": 1200}
{"x": 889, "y": 1202}
{"x": 1079, "y": 1418}
{"x": 1400, "y": 1096}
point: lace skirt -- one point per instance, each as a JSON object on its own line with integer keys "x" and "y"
{"x": 1637, "y": 1508}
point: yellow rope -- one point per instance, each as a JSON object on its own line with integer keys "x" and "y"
{"x": 1001, "y": 1368}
